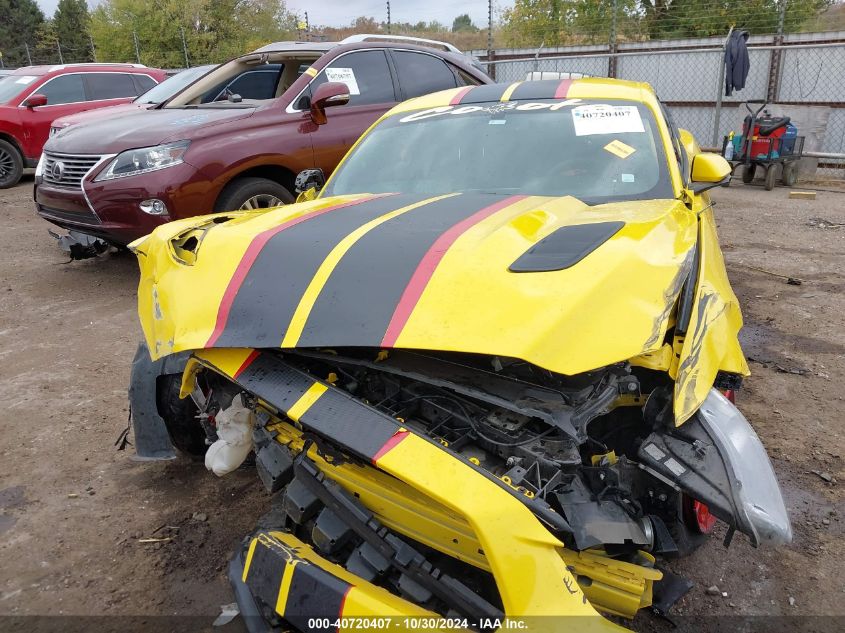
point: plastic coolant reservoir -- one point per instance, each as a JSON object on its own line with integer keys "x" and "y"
{"x": 234, "y": 430}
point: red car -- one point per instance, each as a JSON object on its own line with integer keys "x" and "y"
{"x": 31, "y": 98}
{"x": 237, "y": 137}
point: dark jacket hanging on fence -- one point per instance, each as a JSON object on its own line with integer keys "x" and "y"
{"x": 736, "y": 62}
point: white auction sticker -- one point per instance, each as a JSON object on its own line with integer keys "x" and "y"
{"x": 606, "y": 119}
{"x": 344, "y": 76}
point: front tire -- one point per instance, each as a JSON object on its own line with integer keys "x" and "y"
{"x": 252, "y": 193}
{"x": 11, "y": 165}
{"x": 180, "y": 417}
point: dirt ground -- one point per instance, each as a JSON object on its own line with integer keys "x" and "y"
{"x": 73, "y": 509}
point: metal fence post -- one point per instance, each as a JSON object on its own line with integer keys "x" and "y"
{"x": 93, "y": 49}
{"x": 777, "y": 53}
{"x": 59, "y": 48}
{"x": 185, "y": 48}
{"x": 612, "y": 44}
{"x": 717, "y": 117}
{"x": 137, "y": 48}
{"x": 28, "y": 56}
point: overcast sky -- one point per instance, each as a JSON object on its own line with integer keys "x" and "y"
{"x": 342, "y": 12}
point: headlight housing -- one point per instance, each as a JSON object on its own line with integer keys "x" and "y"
{"x": 145, "y": 159}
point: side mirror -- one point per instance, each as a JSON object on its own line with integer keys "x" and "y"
{"x": 35, "y": 101}
{"x": 708, "y": 171}
{"x": 308, "y": 184}
{"x": 332, "y": 93}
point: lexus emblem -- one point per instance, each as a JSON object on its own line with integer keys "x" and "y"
{"x": 58, "y": 170}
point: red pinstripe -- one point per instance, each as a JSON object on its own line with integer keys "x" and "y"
{"x": 419, "y": 280}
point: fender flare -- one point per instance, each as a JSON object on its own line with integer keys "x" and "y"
{"x": 152, "y": 440}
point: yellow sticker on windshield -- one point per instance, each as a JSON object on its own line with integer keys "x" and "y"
{"x": 620, "y": 149}
{"x": 310, "y": 72}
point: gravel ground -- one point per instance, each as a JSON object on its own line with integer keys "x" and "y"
{"x": 73, "y": 509}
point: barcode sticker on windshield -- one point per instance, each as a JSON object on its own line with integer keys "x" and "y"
{"x": 606, "y": 119}
{"x": 344, "y": 76}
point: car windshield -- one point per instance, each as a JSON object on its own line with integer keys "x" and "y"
{"x": 170, "y": 86}
{"x": 11, "y": 86}
{"x": 597, "y": 151}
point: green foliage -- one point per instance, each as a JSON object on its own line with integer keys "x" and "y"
{"x": 70, "y": 26}
{"x": 215, "y": 30}
{"x": 557, "y": 22}
{"x": 19, "y": 24}
{"x": 463, "y": 23}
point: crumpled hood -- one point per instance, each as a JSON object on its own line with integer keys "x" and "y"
{"x": 141, "y": 128}
{"x": 425, "y": 273}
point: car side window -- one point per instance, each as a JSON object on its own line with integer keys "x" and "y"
{"x": 143, "y": 83}
{"x": 366, "y": 73}
{"x": 419, "y": 73}
{"x": 110, "y": 86}
{"x": 63, "y": 89}
{"x": 257, "y": 84}
{"x": 465, "y": 79}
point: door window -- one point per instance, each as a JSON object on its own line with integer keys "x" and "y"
{"x": 257, "y": 84}
{"x": 110, "y": 86}
{"x": 143, "y": 83}
{"x": 366, "y": 73}
{"x": 63, "y": 89}
{"x": 420, "y": 74}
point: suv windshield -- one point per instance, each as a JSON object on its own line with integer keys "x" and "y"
{"x": 597, "y": 151}
{"x": 170, "y": 86}
{"x": 12, "y": 85}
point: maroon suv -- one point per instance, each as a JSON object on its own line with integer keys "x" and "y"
{"x": 213, "y": 148}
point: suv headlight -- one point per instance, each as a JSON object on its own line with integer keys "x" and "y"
{"x": 144, "y": 159}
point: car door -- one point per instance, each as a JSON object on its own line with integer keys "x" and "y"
{"x": 372, "y": 91}
{"x": 65, "y": 95}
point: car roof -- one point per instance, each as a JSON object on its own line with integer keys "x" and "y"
{"x": 284, "y": 47}
{"x": 57, "y": 68}
{"x": 586, "y": 88}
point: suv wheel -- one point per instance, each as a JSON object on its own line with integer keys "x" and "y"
{"x": 252, "y": 193}
{"x": 11, "y": 165}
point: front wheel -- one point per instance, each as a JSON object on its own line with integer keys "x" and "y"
{"x": 11, "y": 165}
{"x": 748, "y": 173}
{"x": 247, "y": 194}
{"x": 770, "y": 178}
{"x": 789, "y": 176}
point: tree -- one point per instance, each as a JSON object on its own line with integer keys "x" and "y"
{"x": 21, "y": 19}
{"x": 555, "y": 22}
{"x": 463, "y": 23}
{"x": 71, "y": 25}
{"x": 215, "y": 30}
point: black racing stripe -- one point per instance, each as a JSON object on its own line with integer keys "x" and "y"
{"x": 485, "y": 93}
{"x": 350, "y": 423}
{"x": 357, "y": 302}
{"x": 314, "y": 593}
{"x": 528, "y": 90}
{"x": 274, "y": 285}
{"x": 264, "y": 577}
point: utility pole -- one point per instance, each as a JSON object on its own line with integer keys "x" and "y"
{"x": 185, "y": 48}
{"x": 491, "y": 69}
{"x": 137, "y": 48}
{"x": 28, "y": 56}
{"x": 93, "y": 49}
{"x": 388, "y": 17}
{"x": 59, "y": 48}
{"x": 612, "y": 46}
{"x": 307, "y": 28}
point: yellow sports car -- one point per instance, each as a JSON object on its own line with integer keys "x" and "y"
{"x": 486, "y": 369}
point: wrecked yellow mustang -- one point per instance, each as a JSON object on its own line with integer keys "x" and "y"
{"x": 482, "y": 371}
